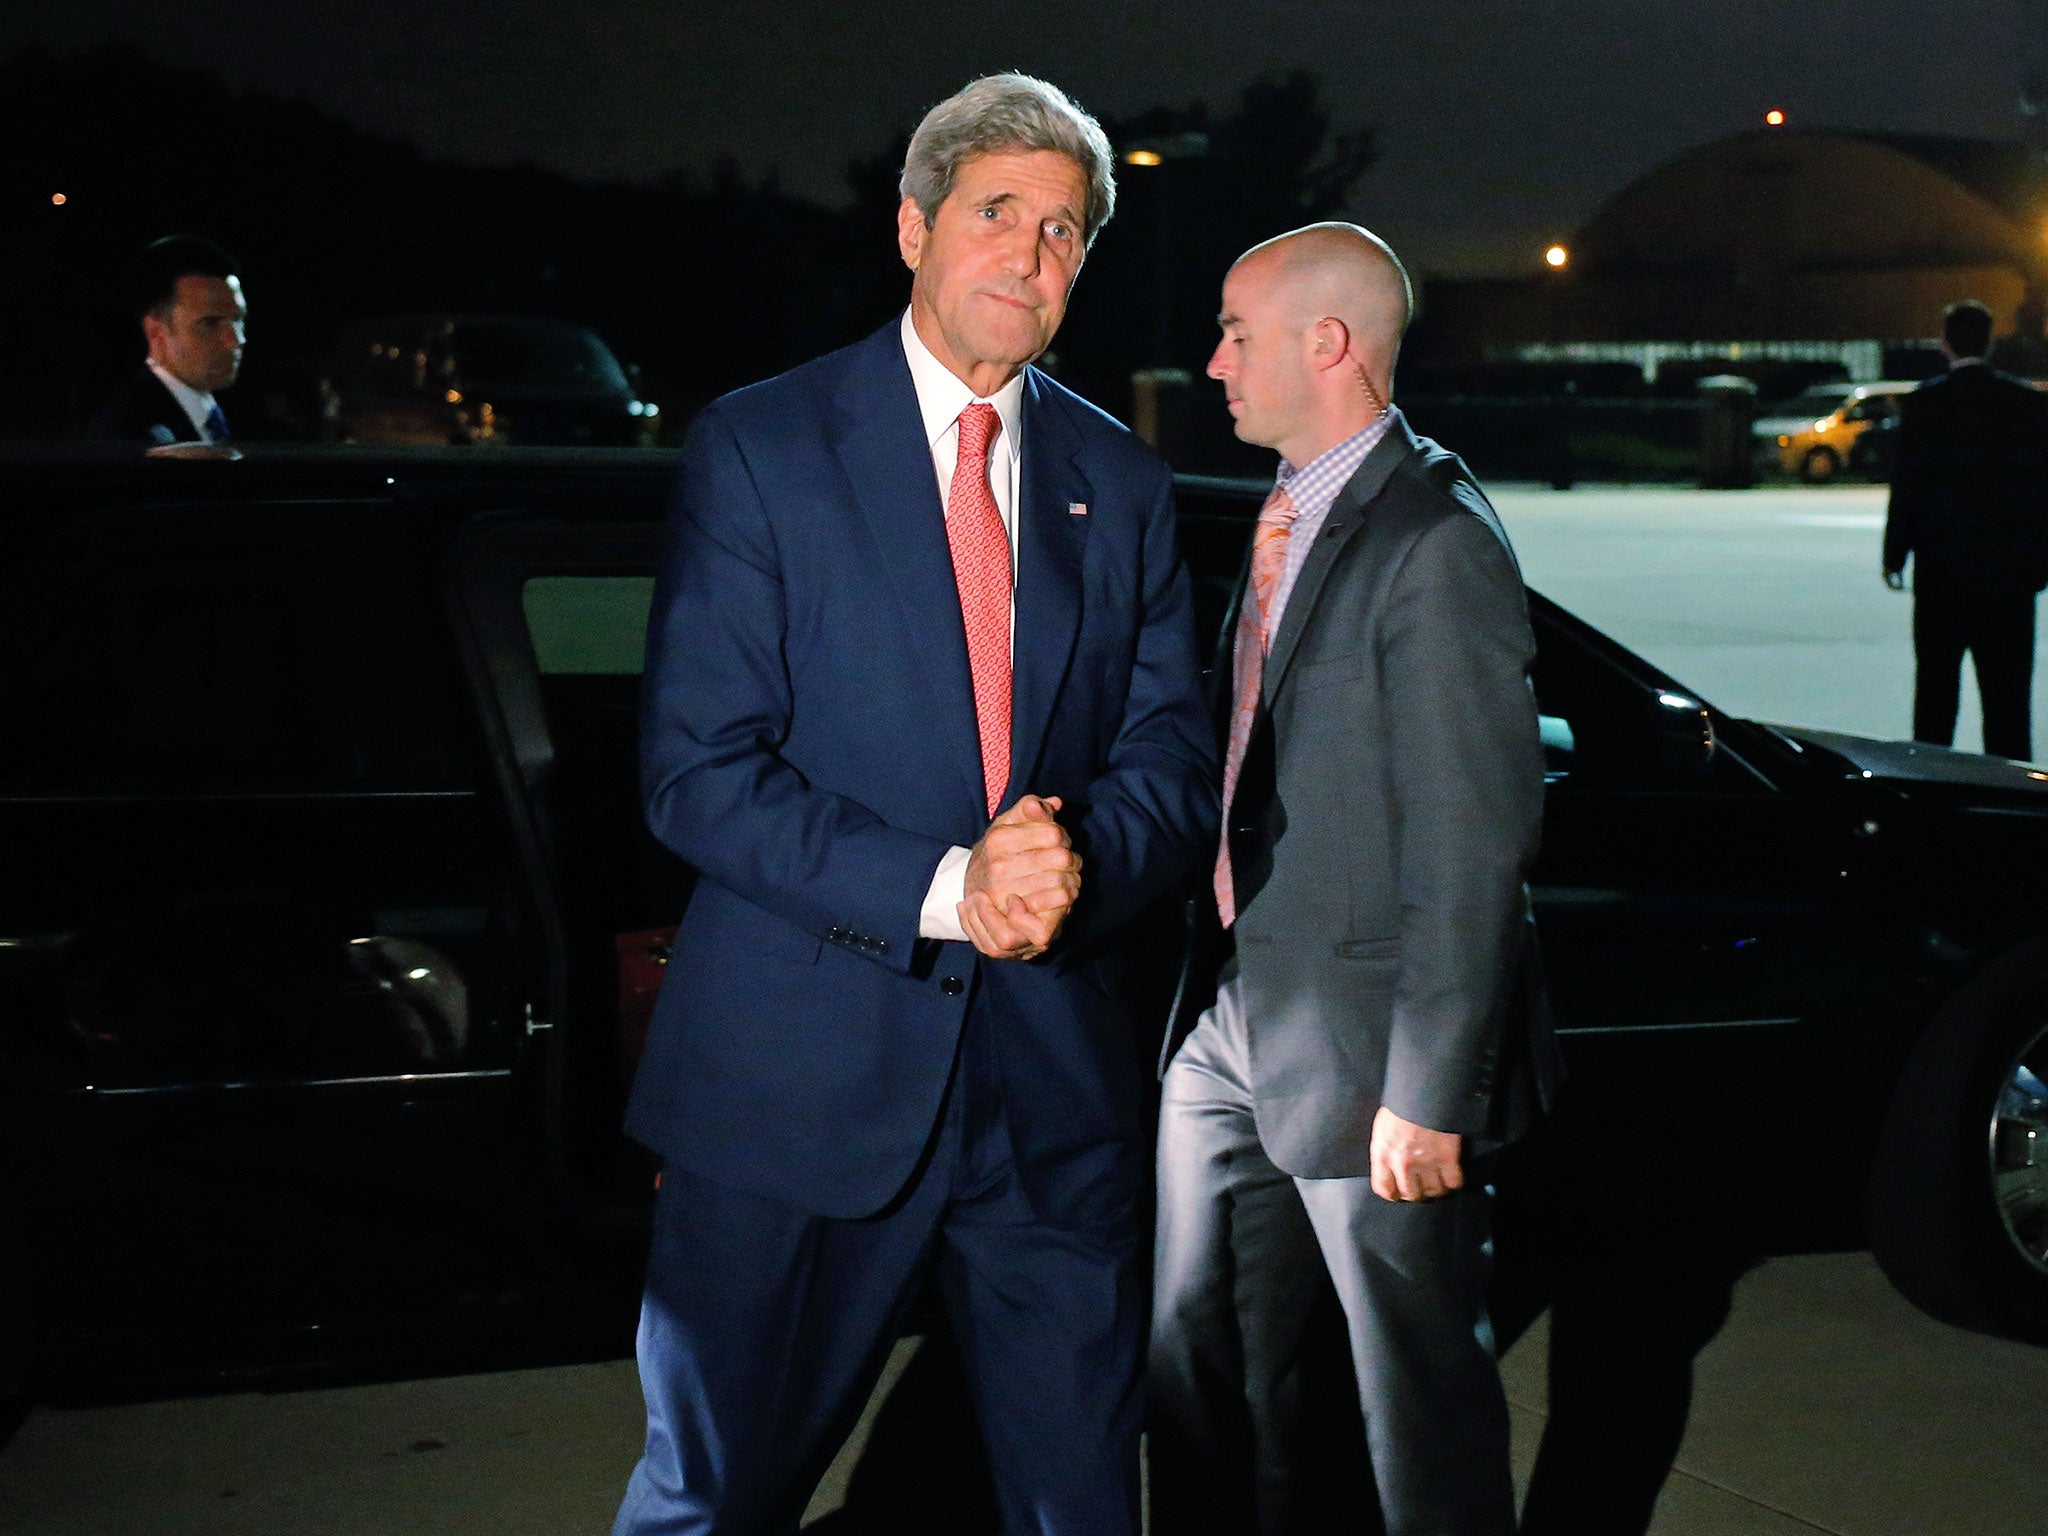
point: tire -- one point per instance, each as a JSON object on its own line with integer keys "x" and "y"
{"x": 1819, "y": 466}
{"x": 1957, "y": 1206}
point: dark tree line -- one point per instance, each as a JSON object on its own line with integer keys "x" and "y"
{"x": 706, "y": 281}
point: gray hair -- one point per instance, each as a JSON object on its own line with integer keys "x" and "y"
{"x": 1008, "y": 114}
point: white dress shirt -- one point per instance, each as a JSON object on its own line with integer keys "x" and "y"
{"x": 941, "y": 397}
{"x": 196, "y": 403}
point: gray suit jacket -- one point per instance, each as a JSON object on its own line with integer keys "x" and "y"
{"x": 1384, "y": 824}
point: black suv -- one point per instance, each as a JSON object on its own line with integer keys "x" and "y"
{"x": 328, "y": 923}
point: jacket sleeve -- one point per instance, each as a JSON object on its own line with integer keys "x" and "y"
{"x": 1910, "y": 471}
{"x": 715, "y": 710}
{"x": 1467, "y": 796}
{"x": 1152, "y": 812}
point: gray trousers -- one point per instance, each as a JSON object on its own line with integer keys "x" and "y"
{"x": 1244, "y": 1257}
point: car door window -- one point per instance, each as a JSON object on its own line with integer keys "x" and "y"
{"x": 586, "y": 625}
{"x": 588, "y": 630}
{"x": 246, "y": 840}
{"x": 192, "y": 673}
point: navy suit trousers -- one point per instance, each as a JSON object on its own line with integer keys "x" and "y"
{"x": 764, "y": 1329}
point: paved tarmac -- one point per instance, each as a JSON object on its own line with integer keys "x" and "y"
{"x": 1767, "y": 603}
{"x": 1826, "y": 1404}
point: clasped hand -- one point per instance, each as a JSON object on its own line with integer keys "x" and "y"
{"x": 1022, "y": 878}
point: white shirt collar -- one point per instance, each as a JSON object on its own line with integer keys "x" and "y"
{"x": 941, "y": 396}
{"x": 197, "y": 403}
{"x": 1968, "y": 362}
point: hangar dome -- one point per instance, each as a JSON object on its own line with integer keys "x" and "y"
{"x": 1828, "y": 235}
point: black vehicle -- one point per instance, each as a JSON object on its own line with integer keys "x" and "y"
{"x": 328, "y": 922}
{"x": 428, "y": 380}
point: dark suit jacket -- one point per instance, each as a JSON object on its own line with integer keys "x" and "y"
{"x": 1385, "y": 821}
{"x": 809, "y": 744}
{"x": 141, "y": 410}
{"x": 1969, "y": 496}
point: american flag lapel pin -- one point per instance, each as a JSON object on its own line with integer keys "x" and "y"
{"x": 1077, "y": 509}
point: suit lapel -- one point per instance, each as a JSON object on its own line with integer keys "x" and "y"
{"x": 879, "y": 441}
{"x": 1051, "y": 545}
{"x": 1342, "y": 523}
{"x": 173, "y": 410}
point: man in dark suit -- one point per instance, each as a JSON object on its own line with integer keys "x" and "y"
{"x": 1358, "y": 1028}
{"x": 1969, "y": 504}
{"x": 921, "y": 644}
{"x": 187, "y": 295}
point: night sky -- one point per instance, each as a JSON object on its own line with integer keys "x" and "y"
{"x": 1502, "y": 123}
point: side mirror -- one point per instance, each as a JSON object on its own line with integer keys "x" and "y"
{"x": 1685, "y": 736}
{"x": 1558, "y": 746}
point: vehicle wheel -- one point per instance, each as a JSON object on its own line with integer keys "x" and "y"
{"x": 1957, "y": 1208}
{"x": 1819, "y": 466}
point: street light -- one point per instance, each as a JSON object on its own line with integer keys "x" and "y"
{"x": 1143, "y": 157}
{"x": 1556, "y": 257}
{"x": 58, "y": 199}
{"x": 1775, "y": 118}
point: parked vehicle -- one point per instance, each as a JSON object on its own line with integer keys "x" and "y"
{"x": 1814, "y": 436}
{"x": 453, "y": 379}
{"x": 329, "y": 920}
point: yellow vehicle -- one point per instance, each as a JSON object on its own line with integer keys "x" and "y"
{"x": 1812, "y": 435}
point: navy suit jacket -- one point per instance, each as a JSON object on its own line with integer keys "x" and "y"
{"x": 808, "y": 742}
{"x": 141, "y": 410}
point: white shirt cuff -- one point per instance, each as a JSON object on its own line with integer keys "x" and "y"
{"x": 939, "y": 917}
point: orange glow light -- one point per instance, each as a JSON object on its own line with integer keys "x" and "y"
{"x": 58, "y": 199}
{"x": 1557, "y": 256}
{"x": 1775, "y": 118}
{"x": 1142, "y": 157}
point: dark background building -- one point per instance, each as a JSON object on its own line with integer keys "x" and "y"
{"x": 1754, "y": 244}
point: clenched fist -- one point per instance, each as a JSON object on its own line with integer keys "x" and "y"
{"x": 1022, "y": 878}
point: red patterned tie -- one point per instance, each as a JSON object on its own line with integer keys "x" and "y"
{"x": 1253, "y": 640}
{"x": 981, "y": 568}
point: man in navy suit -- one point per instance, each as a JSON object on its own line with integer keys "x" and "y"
{"x": 922, "y": 708}
{"x": 1969, "y": 506}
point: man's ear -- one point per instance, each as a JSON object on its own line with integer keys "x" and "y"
{"x": 1329, "y": 341}
{"x": 154, "y": 332}
{"x": 910, "y": 232}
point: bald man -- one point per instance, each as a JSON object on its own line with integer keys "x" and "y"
{"x": 1359, "y": 1027}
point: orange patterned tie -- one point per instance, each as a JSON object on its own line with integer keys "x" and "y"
{"x": 1253, "y": 640}
{"x": 981, "y": 569}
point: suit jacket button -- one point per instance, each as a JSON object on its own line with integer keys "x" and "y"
{"x": 952, "y": 986}
{"x": 881, "y": 946}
